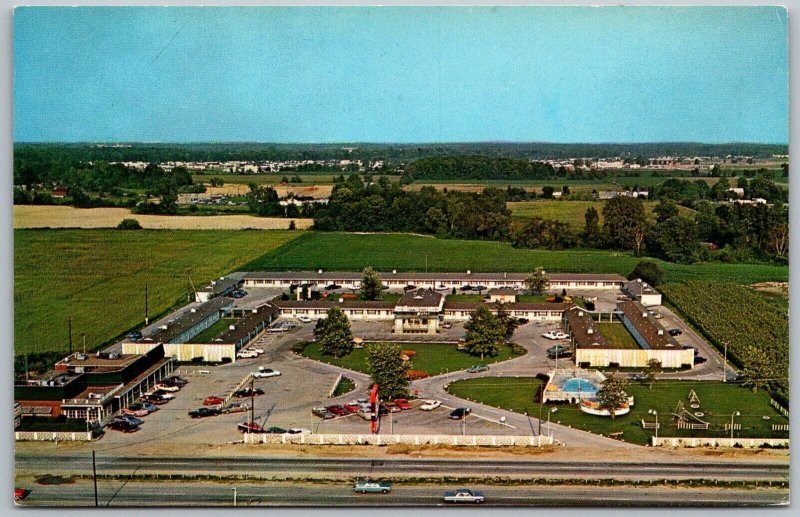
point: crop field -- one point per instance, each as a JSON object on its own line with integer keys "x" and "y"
{"x": 717, "y": 402}
{"x": 40, "y": 216}
{"x": 407, "y": 252}
{"x": 617, "y": 335}
{"x": 570, "y": 212}
{"x": 98, "y": 276}
{"x": 740, "y": 316}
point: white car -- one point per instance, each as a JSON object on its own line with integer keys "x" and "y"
{"x": 165, "y": 396}
{"x": 555, "y": 335}
{"x": 256, "y": 350}
{"x": 430, "y": 405}
{"x": 263, "y": 373}
{"x": 304, "y": 319}
{"x": 246, "y": 354}
{"x": 164, "y": 387}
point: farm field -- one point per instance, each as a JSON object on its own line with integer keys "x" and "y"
{"x": 617, "y": 335}
{"x": 51, "y": 216}
{"x": 98, "y": 276}
{"x": 434, "y": 359}
{"x": 717, "y": 402}
{"x": 742, "y": 317}
{"x": 407, "y": 252}
{"x": 570, "y": 212}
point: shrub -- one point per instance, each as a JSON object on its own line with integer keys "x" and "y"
{"x": 198, "y": 359}
{"x": 414, "y": 375}
{"x": 129, "y": 224}
{"x": 410, "y": 353}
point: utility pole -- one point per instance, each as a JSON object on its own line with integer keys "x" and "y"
{"x": 94, "y": 471}
{"x": 84, "y": 342}
{"x": 146, "y": 318}
{"x": 540, "y": 418}
{"x": 27, "y": 379}
{"x": 725, "y": 363}
{"x": 70, "y": 335}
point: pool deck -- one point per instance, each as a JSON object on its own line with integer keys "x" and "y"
{"x": 554, "y": 390}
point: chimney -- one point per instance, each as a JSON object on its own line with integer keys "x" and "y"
{"x": 341, "y": 300}
{"x": 644, "y": 315}
{"x": 255, "y": 311}
{"x": 590, "y": 331}
{"x": 660, "y": 332}
{"x": 469, "y": 272}
{"x": 319, "y": 271}
{"x": 394, "y": 271}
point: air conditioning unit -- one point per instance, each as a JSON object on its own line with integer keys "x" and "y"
{"x": 231, "y": 327}
{"x": 644, "y": 315}
{"x": 193, "y": 310}
{"x": 163, "y": 327}
{"x": 114, "y": 355}
{"x": 660, "y": 332}
{"x": 590, "y": 331}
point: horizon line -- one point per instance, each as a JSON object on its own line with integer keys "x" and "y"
{"x": 432, "y": 142}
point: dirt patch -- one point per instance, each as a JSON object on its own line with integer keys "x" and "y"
{"x": 54, "y": 480}
{"x": 235, "y": 189}
{"x": 772, "y": 287}
{"x": 449, "y": 450}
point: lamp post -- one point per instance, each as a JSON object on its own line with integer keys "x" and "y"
{"x": 234, "y": 495}
{"x": 733, "y": 415}
{"x": 655, "y": 414}
{"x": 725, "y": 363}
{"x": 550, "y": 429}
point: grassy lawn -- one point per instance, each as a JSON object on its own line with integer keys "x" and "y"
{"x": 98, "y": 277}
{"x": 405, "y": 252}
{"x": 213, "y": 331}
{"x": 571, "y": 212}
{"x": 431, "y": 358}
{"x": 471, "y": 298}
{"x": 617, "y": 335}
{"x": 345, "y": 385}
{"x": 717, "y": 400}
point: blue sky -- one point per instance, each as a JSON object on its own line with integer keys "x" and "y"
{"x": 401, "y": 74}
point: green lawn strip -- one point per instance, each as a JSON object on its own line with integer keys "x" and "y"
{"x": 406, "y": 252}
{"x": 717, "y": 401}
{"x": 434, "y": 359}
{"x": 213, "y": 331}
{"x": 617, "y": 335}
{"x": 345, "y": 385}
{"x": 462, "y": 298}
{"x": 98, "y": 277}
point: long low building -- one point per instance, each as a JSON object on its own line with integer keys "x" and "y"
{"x": 437, "y": 281}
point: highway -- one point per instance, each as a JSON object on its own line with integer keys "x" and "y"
{"x": 325, "y": 467}
{"x": 121, "y": 493}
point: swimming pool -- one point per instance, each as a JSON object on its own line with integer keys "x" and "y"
{"x": 579, "y": 385}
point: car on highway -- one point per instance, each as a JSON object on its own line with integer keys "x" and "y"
{"x": 478, "y": 368}
{"x": 322, "y": 413}
{"x": 235, "y": 407}
{"x": 134, "y": 412}
{"x": 555, "y": 335}
{"x": 21, "y": 493}
{"x": 246, "y": 354}
{"x": 122, "y": 426}
{"x": 464, "y": 495}
{"x": 675, "y": 332}
{"x": 204, "y": 412}
{"x": 403, "y": 404}
{"x": 373, "y": 487}
{"x": 430, "y": 405}
{"x": 460, "y": 413}
{"x": 249, "y": 427}
{"x": 263, "y": 373}
{"x": 248, "y": 392}
{"x": 304, "y": 319}
{"x": 213, "y": 400}
{"x": 297, "y": 430}
{"x": 130, "y": 419}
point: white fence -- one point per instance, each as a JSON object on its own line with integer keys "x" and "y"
{"x": 40, "y": 436}
{"x": 335, "y": 385}
{"x": 782, "y": 410}
{"x": 747, "y": 443}
{"x": 780, "y": 427}
{"x": 411, "y": 439}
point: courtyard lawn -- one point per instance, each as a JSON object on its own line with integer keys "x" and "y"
{"x": 387, "y": 297}
{"x": 213, "y": 331}
{"x": 98, "y": 276}
{"x": 717, "y": 401}
{"x": 617, "y": 335}
{"x": 434, "y": 359}
{"x": 461, "y": 298}
{"x": 405, "y": 252}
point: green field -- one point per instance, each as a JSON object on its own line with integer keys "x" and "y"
{"x": 617, "y": 335}
{"x": 213, "y": 331}
{"x": 464, "y": 298}
{"x": 98, "y": 277}
{"x": 405, "y": 252}
{"x": 717, "y": 401}
{"x": 434, "y": 359}
{"x": 570, "y": 212}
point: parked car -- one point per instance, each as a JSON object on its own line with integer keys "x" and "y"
{"x": 460, "y": 413}
{"x": 213, "y": 401}
{"x": 337, "y": 410}
{"x": 699, "y": 360}
{"x": 130, "y": 419}
{"x": 256, "y": 350}
{"x": 173, "y": 383}
{"x": 247, "y": 392}
{"x": 167, "y": 388}
{"x": 239, "y": 293}
{"x": 391, "y": 407}
{"x": 322, "y": 413}
{"x": 156, "y": 399}
{"x": 135, "y": 412}
{"x": 248, "y": 427}
{"x": 165, "y": 395}
{"x": 369, "y": 486}
{"x": 247, "y": 354}
{"x": 134, "y": 336}
{"x": 555, "y": 335}
{"x": 383, "y": 410}
{"x": 235, "y": 407}
{"x": 478, "y": 368}
{"x": 463, "y": 495}
{"x": 447, "y": 325}
{"x": 675, "y": 332}
{"x": 403, "y": 404}
{"x": 522, "y": 321}
{"x": 304, "y": 319}
{"x": 352, "y": 408}
{"x": 143, "y": 405}
{"x": 430, "y": 405}
{"x": 178, "y": 380}
{"x": 297, "y": 430}
{"x": 466, "y": 287}
{"x": 204, "y": 412}
{"x": 123, "y": 426}
{"x": 275, "y": 430}
{"x": 263, "y": 373}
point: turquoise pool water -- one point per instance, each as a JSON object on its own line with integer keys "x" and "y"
{"x": 579, "y": 385}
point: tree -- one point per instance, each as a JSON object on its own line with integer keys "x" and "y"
{"x": 388, "y": 370}
{"x": 612, "y": 394}
{"x": 565, "y": 190}
{"x": 485, "y": 333}
{"x": 649, "y": 271}
{"x": 591, "y": 229}
{"x": 547, "y": 192}
{"x": 675, "y": 239}
{"x": 129, "y": 224}
{"x": 538, "y": 281}
{"x": 653, "y": 369}
{"x": 371, "y": 285}
{"x": 333, "y": 334}
{"x": 758, "y": 369}
{"x": 216, "y": 182}
{"x": 779, "y": 240}
{"x": 509, "y": 323}
{"x": 625, "y": 223}
{"x": 665, "y": 209}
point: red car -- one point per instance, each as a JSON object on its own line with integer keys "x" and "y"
{"x": 21, "y": 493}
{"x": 213, "y": 401}
{"x": 402, "y": 404}
{"x": 247, "y": 427}
{"x": 352, "y": 408}
{"x": 338, "y": 410}
{"x": 391, "y": 407}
